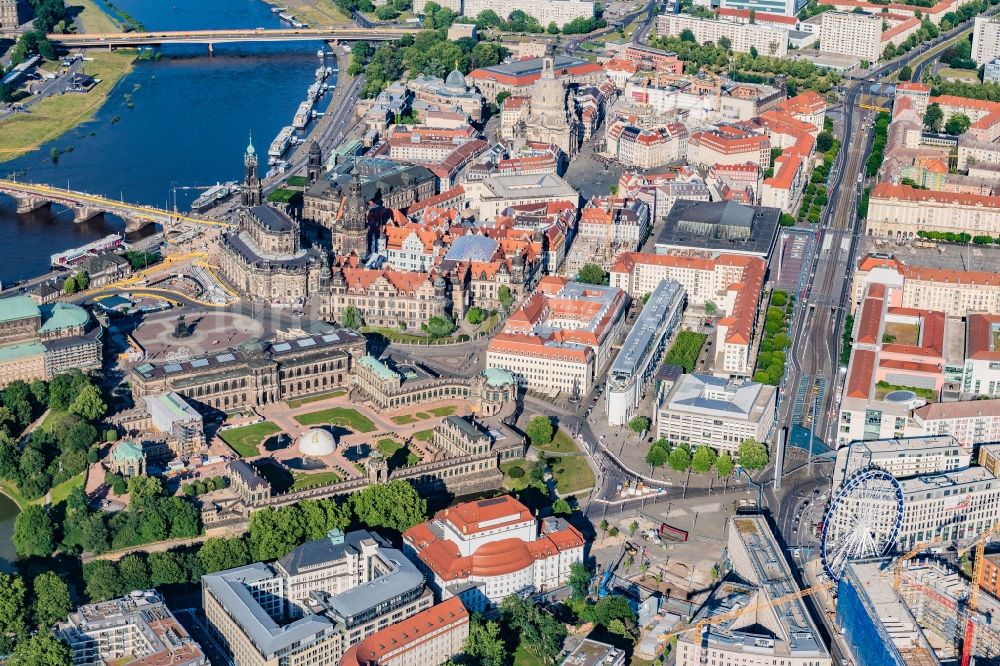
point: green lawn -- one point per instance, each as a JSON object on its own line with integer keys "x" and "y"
{"x": 59, "y": 493}
{"x": 56, "y": 420}
{"x": 403, "y": 419}
{"x": 342, "y": 416}
{"x": 443, "y": 411}
{"x": 305, "y": 480}
{"x": 424, "y": 435}
{"x": 523, "y": 657}
{"x": 298, "y": 402}
{"x": 245, "y": 440}
{"x": 394, "y": 452}
{"x": 521, "y": 482}
{"x": 561, "y": 443}
{"x": 961, "y": 74}
{"x": 423, "y": 416}
{"x": 572, "y": 474}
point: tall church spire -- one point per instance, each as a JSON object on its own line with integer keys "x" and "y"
{"x": 253, "y": 191}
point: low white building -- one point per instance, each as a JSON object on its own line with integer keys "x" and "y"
{"x": 702, "y": 410}
{"x": 633, "y": 368}
{"x": 483, "y": 551}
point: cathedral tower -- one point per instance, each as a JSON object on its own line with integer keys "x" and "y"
{"x": 253, "y": 193}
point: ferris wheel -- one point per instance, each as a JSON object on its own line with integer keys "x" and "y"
{"x": 863, "y": 520}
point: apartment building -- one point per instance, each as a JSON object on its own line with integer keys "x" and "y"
{"x": 432, "y": 636}
{"x": 910, "y": 456}
{"x": 986, "y": 39}
{"x": 645, "y": 148}
{"x": 138, "y": 628}
{"x": 900, "y": 211}
{"x": 981, "y": 376}
{"x": 765, "y": 39}
{"x": 760, "y": 575}
{"x": 615, "y": 221}
{"x": 782, "y": 190}
{"x": 560, "y": 336}
{"x": 559, "y": 12}
{"x": 787, "y": 8}
{"x": 632, "y": 370}
{"x": 483, "y": 551}
{"x": 729, "y": 146}
{"x": 311, "y": 606}
{"x": 953, "y": 292}
{"x": 702, "y": 410}
{"x": 854, "y": 34}
{"x": 970, "y": 422}
{"x": 732, "y": 282}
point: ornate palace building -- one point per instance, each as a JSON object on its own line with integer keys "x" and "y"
{"x": 256, "y": 373}
{"x": 264, "y": 258}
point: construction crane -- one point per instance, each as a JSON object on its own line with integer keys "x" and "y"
{"x": 897, "y": 566}
{"x": 739, "y": 612}
{"x": 973, "y": 599}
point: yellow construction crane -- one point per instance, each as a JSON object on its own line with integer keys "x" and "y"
{"x": 897, "y": 566}
{"x": 973, "y": 599}
{"x": 739, "y": 612}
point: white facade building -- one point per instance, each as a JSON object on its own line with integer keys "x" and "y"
{"x": 767, "y": 40}
{"x": 911, "y": 456}
{"x": 849, "y": 33}
{"x": 485, "y": 550}
{"x": 986, "y": 40}
{"x": 642, "y": 350}
{"x": 560, "y": 12}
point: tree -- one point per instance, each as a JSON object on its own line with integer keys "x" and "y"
{"x": 752, "y": 455}
{"x": 609, "y": 608}
{"x": 133, "y": 573}
{"x": 506, "y": 298}
{"x": 553, "y": 29}
{"x": 632, "y": 527}
{"x": 561, "y": 507}
{"x": 539, "y": 632}
{"x": 592, "y": 274}
{"x": 704, "y": 458}
{"x": 958, "y": 124}
{"x": 725, "y": 43}
{"x": 579, "y": 580}
{"x": 101, "y": 580}
{"x": 688, "y": 36}
{"x": 934, "y": 116}
{"x": 905, "y": 73}
{"x": 42, "y": 649}
{"x": 275, "y": 532}
{"x": 753, "y": 52}
{"x": 12, "y": 604}
{"x": 439, "y": 327}
{"x": 711, "y": 308}
{"x": 475, "y": 316}
{"x": 824, "y": 141}
{"x": 89, "y": 404}
{"x": 167, "y": 568}
{"x": 218, "y": 554}
{"x": 724, "y": 465}
{"x": 639, "y": 424}
{"x": 657, "y": 456}
{"x": 33, "y": 532}
{"x": 540, "y": 430}
{"x": 351, "y": 318}
{"x": 395, "y": 505}
{"x": 52, "y": 601}
{"x": 680, "y": 458}
{"x": 484, "y": 643}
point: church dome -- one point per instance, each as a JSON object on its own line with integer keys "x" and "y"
{"x": 455, "y": 80}
{"x": 316, "y": 443}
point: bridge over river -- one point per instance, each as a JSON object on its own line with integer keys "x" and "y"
{"x": 210, "y": 37}
{"x": 30, "y": 196}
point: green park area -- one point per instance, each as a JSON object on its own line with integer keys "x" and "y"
{"x": 341, "y": 416}
{"x": 515, "y": 478}
{"x": 685, "y": 349}
{"x": 424, "y": 435}
{"x": 304, "y": 480}
{"x": 298, "y": 402}
{"x": 246, "y": 439}
{"x": 561, "y": 443}
{"x": 571, "y": 473}
{"x": 51, "y": 117}
{"x": 396, "y": 454}
{"x": 407, "y": 419}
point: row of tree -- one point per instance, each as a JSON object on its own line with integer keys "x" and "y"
{"x": 956, "y": 125}
{"x": 751, "y": 455}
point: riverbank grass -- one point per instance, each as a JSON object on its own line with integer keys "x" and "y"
{"x": 91, "y": 17}
{"x": 50, "y": 118}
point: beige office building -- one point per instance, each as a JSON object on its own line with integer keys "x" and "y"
{"x": 986, "y": 39}
{"x": 900, "y": 211}
{"x": 767, "y": 40}
{"x": 858, "y": 35}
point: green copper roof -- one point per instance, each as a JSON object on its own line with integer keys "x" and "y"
{"x": 17, "y": 307}
{"x": 378, "y": 367}
{"x": 127, "y": 451}
{"x": 58, "y": 316}
{"x": 498, "y": 377}
{"x": 13, "y": 352}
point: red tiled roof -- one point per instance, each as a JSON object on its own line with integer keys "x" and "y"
{"x": 909, "y": 193}
{"x": 979, "y": 337}
{"x": 406, "y": 634}
{"x": 859, "y": 382}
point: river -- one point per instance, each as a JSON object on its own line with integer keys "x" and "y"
{"x": 8, "y": 513}
{"x": 187, "y": 127}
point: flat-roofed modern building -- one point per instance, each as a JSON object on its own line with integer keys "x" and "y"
{"x": 778, "y": 635}
{"x": 492, "y": 195}
{"x": 633, "y": 368}
{"x": 702, "y": 410}
{"x": 486, "y": 550}
{"x": 310, "y": 606}
{"x": 137, "y": 629}
{"x": 724, "y": 226}
{"x": 910, "y": 456}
